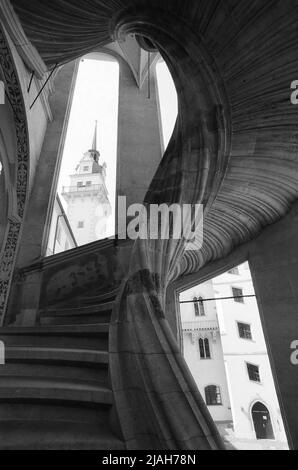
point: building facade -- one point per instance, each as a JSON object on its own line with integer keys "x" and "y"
{"x": 234, "y": 374}
{"x": 203, "y": 349}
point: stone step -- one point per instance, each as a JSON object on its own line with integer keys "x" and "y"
{"x": 92, "y": 314}
{"x": 50, "y": 435}
{"x": 97, "y": 308}
{"x": 38, "y": 389}
{"x": 71, "y": 336}
{"x": 24, "y": 410}
{"x": 54, "y": 387}
{"x": 57, "y": 330}
{"x": 29, "y": 354}
{"x": 97, "y": 373}
{"x": 57, "y": 351}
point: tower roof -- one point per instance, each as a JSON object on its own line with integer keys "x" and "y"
{"x": 91, "y": 156}
{"x": 94, "y": 142}
{"x": 94, "y": 153}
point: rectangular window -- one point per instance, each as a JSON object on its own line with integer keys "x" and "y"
{"x": 80, "y": 184}
{"x": 213, "y": 396}
{"x": 244, "y": 330}
{"x": 204, "y": 348}
{"x": 253, "y": 372}
{"x": 238, "y": 295}
{"x": 81, "y": 224}
{"x": 86, "y": 168}
{"x": 88, "y": 183}
{"x": 199, "y": 306}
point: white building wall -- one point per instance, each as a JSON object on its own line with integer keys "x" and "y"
{"x": 85, "y": 208}
{"x": 205, "y": 371}
{"x": 230, "y": 353}
{"x": 238, "y": 352}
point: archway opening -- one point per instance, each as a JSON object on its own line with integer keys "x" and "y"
{"x": 234, "y": 370}
{"x": 262, "y": 421}
{"x": 84, "y": 209}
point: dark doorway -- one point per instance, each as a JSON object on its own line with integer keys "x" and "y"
{"x": 262, "y": 421}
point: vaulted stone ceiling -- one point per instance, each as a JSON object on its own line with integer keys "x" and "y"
{"x": 253, "y": 51}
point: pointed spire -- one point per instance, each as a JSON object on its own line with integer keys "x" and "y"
{"x": 94, "y": 143}
{"x": 94, "y": 153}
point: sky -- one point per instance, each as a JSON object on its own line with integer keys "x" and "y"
{"x": 168, "y": 101}
{"x": 96, "y": 98}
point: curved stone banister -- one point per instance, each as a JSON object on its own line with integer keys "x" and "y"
{"x": 149, "y": 376}
{"x": 69, "y": 279}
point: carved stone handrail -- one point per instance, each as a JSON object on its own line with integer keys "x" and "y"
{"x": 66, "y": 278}
{"x": 158, "y": 402}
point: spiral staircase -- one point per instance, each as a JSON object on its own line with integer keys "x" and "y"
{"x": 54, "y": 388}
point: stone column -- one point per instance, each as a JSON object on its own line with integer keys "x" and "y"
{"x": 39, "y": 209}
{"x": 139, "y": 136}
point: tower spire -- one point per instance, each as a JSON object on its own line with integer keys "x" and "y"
{"x": 94, "y": 143}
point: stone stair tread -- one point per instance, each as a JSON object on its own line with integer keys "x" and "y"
{"x": 55, "y": 392}
{"x": 59, "y": 381}
{"x": 100, "y": 296}
{"x": 56, "y": 329}
{"x": 46, "y": 383}
{"x": 56, "y": 354}
{"x": 97, "y": 308}
{"x": 51, "y": 435}
{"x": 54, "y": 389}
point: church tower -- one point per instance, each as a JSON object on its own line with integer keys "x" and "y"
{"x": 87, "y": 198}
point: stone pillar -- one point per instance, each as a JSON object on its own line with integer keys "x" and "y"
{"x": 139, "y": 136}
{"x": 39, "y": 209}
{"x": 273, "y": 259}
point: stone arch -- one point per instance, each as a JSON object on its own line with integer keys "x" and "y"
{"x": 100, "y": 54}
